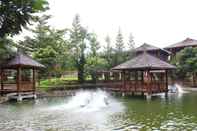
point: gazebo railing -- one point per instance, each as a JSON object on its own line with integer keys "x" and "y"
{"x": 24, "y": 86}
{"x": 139, "y": 86}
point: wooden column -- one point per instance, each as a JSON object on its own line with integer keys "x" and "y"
{"x": 124, "y": 83}
{"x": 149, "y": 82}
{"x": 18, "y": 79}
{"x": 166, "y": 80}
{"x": 136, "y": 80}
{"x": 2, "y": 82}
{"x": 34, "y": 80}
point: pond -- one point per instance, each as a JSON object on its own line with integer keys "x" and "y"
{"x": 98, "y": 111}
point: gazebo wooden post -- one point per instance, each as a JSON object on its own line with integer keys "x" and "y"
{"x": 124, "y": 83}
{"x": 18, "y": 80}
{"x": 34, "y": 80}
{"x": 1, "y": 82}
{"x": 136, "y": 80}
{"x": 148, "y": 86}
{"x": 166, "y": 89}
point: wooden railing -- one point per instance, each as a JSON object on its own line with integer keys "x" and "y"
{"x": 139, "y": 86}
{"x": 24, "y": 86}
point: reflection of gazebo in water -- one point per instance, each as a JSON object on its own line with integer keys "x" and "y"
{"x": 23, "y": 75}
{"x": 144, "y": 74}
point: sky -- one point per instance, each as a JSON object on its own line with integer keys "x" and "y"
{"x": 156, "y": 22}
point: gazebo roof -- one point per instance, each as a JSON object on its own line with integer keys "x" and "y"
{"x": 185, "y": 43}
{"x": 22, "y": 60}
{"x": 149, "y": 47}
{"x": 144, "y": 61}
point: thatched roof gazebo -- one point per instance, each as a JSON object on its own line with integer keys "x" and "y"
{"x": 144, "y": 73}
{"x": 19, "y": 63}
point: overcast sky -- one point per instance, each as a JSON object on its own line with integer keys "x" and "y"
{"x": 157, "y": 22}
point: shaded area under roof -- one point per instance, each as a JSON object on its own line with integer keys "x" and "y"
{"x": 144, "y": 61}
{"x": 21, "y": 60}
{"x": 185, "y": 43}
{"x": 149, "y": 47}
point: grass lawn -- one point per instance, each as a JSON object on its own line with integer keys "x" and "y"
{"x": 56, "y": 82}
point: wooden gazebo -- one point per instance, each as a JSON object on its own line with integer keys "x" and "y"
{"x": 17, "y": 64}
{"x": 144, "y": 74}
{"x": 174, "y": 48}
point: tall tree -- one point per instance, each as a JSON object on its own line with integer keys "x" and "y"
{"x": 131, "y": 42}
{"x": 131, "y": 45}
{"x": 119, "y": 42}
{"x": 94, "y": 62}
{"x": 47, "y": 46}
{"x": 15, "y": 14}
{"x": 78, "y": 39}
{"x": 119, "y": 54}
{"x": 108, "y": 50}
{"x": 6, "y": 48}
{"x": 186, "y": 63}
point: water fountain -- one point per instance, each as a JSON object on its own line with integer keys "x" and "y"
{"x": 176, "y": 88}
{"x": 88, "y": 101}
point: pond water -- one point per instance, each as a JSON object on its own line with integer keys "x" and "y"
{"x": 98, "y": 111}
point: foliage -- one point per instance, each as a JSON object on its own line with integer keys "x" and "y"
{"x": 78, "y": 41}
{"x": 6, "y": 46}
{"x": 119, "y": 54}
{"x": 74, "y": 48}
{"x": 131, "y": 45}
{"x": 47, "y": 46}
{"x": 15, "y": 14}
{"x": 108, "y": 53}
{"x": 186, "y": 62}
{"x": 94, "y": 62}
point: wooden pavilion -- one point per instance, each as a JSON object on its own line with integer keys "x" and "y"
{"x": 23, "y": 70}
{"x": 144, "y": 74}
{"x": 174, "y": 48}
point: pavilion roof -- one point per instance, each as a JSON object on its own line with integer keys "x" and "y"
{"x": 21, "y": 60}
{"x": 185, "y": 43}
{"x": 149, "y": 47}
{"x": 144, "y": 61}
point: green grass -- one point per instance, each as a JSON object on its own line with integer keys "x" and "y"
{"x": 60, "y": 83}
{"x": 56, "y": 82}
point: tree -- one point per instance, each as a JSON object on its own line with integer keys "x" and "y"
{"x": 94, "y": 62}
{"x": 108, "y": 52}
{"x": 131, "y": 42}
{"x": 186, "y": 62}
{"x": 47, "y": 46}
{"x": 6, "y": 48}
{"x": 78, "y": 40}
{"x": 119, "y": 54}
{"x": 15, "y": 14}
{"x": 131, "y": 45}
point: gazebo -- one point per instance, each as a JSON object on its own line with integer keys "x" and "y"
{"x": 174, "y": 48}
{"x": 21, "y": 67}
{"x": 144, "y": 74}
